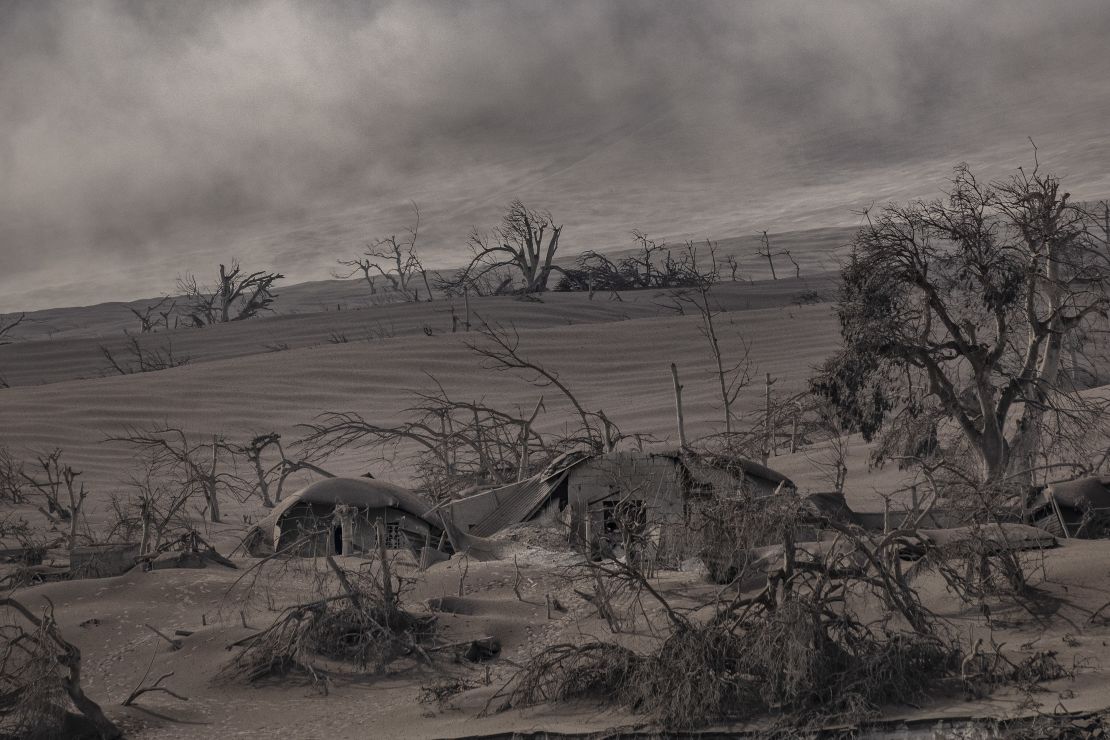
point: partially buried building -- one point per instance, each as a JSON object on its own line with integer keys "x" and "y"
{"x": 595, "y": 495}
{"x": 339, "y": 516}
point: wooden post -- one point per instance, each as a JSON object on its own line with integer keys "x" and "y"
{"x": 767, "y": 428}
{"x": 466, "y": 304}
{"x": 678, "y": 406}
{"x": 426, "y": 551}
{"x": 526, "y": 430}
{"x": 794, "y": 433}
{"x": 387, "y": 580}
{"x": 1059, "y": 515}
{"x": 483, "y": 464}
{"x": 214, "y": 503}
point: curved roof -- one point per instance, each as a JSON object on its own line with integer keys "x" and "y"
{"x": 361, "y": 492}
{"x": 1092, "y": 492}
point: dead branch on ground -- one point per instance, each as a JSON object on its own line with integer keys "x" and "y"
{"x": 40, "y": 679}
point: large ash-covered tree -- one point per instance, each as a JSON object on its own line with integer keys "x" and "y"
{"x": 961, "y": 308}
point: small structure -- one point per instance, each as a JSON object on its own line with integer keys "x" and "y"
{"x": 1074, "y": 508}
{"x": 595, "y": 495}
{"x": 338, "y": 516}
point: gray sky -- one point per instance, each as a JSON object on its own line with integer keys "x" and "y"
{"x": 143, "y": 140}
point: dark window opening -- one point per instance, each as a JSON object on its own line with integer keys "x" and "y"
{"x": 394, "y": 538}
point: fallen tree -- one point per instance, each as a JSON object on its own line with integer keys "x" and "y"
{"x": 803, "y": 635}
{"x": 40, "y": 680}
{"x": 356, "y": 621}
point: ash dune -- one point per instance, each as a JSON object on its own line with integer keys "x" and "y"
{"x": 618, "y": 353}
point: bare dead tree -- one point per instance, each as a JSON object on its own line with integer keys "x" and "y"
{"x": 40, "y": 675}
{"x": 394, "y": 260}
{"x": 732, "y": 377}
{"x": 767, "y": 252}
{"x": 199, "y": 467}
{"x": 273, "y": 476}
{"x": 733, "y": 267}
{"x": 459, "y": 444}
{"x": 501, "y": 351}
{"x": 254, "y": 451}
{"x": 152, "y": 508}
{"x": 235, "y": 297}
{"x": 56, "y": 483}
{"x": 832, "y": 458}
{"x": 6, "y": 327}
{"x": 143, "y": 360}
{"x": 517, "y": 249}
{"x": 154, "y": 315}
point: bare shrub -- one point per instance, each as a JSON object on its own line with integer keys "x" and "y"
{"x": 143, "y": 360}
{"x": 357, "y": 620}
{"x": 600, "y": 671}
{"x": 654, "y": 265}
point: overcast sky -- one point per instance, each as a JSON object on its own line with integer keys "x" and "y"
{"x": 140, "y": 141}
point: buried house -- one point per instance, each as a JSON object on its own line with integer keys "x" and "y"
{"x": 595, "y": 495}
{"x": 1075, "y": 508}
{"x": 339, "y": 516}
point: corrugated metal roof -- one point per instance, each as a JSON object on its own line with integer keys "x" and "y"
{"x": 517, "y": 502}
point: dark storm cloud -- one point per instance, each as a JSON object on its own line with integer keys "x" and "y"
{"x": 148, "y": 138}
